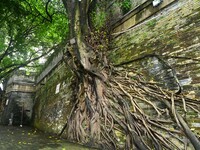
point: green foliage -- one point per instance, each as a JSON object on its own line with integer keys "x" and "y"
{"x": 98, "y": 19}
{"x": 151, "y": 23}
{"x": 98, "y": 15}
{"x": 125, "y": 5}
{"x": 98, "y": 40}
{"x": 28, "y": 30}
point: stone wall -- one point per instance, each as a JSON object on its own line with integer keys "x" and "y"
{"x": 171, "y": 36}
{"x": 115, "y": 8}
{"x": 18, "y": 100}
{"x": 18, "y": 107}
{"x": 53, "y": 99}
{"x": 139, "y": 14}
{"x": 50, "y": 67}
{"x": 170, "y": 32}
{"x": 174, "y": 36}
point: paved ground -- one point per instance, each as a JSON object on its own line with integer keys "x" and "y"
{"x": 26, "y": 138}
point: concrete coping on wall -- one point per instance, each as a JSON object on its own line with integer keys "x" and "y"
{"x": 132, "y": 12}
{"x": 20, "y": 81}
{"x": 20, "y": 88}
{"x": 56, "y": 60}
{"x": 138, "y": 15}
{"x": 21, "y": 77}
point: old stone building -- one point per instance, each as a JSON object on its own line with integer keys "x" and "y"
{"x": 18, "y": 99}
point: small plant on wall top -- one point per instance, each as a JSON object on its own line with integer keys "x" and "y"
{"x": 125, "y": 5}
{"x": 98, "y": 19}
{"x": 151, "y": 23}
{"x": 98, "y": 15}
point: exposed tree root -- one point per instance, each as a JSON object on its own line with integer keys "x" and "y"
{"x": 113, "y": 109}
{"x": 112, "y": 114}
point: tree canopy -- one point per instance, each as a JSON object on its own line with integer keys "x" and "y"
{"x": 29, "y": 30}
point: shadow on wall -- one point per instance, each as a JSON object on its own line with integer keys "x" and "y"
{"x": 17, "y": 109}
{"x": 160, "y": 71}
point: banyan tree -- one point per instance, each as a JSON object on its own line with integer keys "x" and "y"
{"x": 107, "y": 111}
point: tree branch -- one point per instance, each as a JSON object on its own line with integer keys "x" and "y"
{"x": 7, "y": 49}
{"x": 46, "y": 8}
{"x": 13, "y": 67}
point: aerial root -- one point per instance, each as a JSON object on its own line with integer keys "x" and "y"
{"x": 113, "y": 114}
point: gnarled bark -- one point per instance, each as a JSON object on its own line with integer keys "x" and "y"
{"x": 107, "y": 111}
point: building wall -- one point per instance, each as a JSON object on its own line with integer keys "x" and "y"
{"x": 18, "y": 107}
{"x": 53, "y": 100}
{"x": 18, "y": 101}
{"x": 115, "y": 8}
{"x": 171, "y": 35}
{"x": 171, "y": 32}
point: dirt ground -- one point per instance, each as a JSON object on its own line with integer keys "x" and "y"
{"x": 27, "y": 138}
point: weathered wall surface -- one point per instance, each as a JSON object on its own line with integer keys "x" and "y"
{"x": 52, "y": 101}
{"x": 174, "y": 36}
{"x": 50, "y": 67}
{"x": 18, "y": 108}
{"x": 139, "y": 14}
{"x": 18, "y": 100}
{"x": 117, "y": 9}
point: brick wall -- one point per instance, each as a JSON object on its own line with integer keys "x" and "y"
{"x": 172, "y": 35}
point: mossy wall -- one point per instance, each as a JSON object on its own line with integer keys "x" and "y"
{"x": 17, "y": 98}
{"x": 117, "y": 9}
{"x": 52, "y": 106}
{"x": 174, "y": 35}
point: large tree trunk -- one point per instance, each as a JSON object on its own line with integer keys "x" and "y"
{"x": 106, "y": 112}
{"x": 84, "y": 122}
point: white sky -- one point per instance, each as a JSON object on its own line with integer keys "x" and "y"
{"x": 1, "y": 85}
